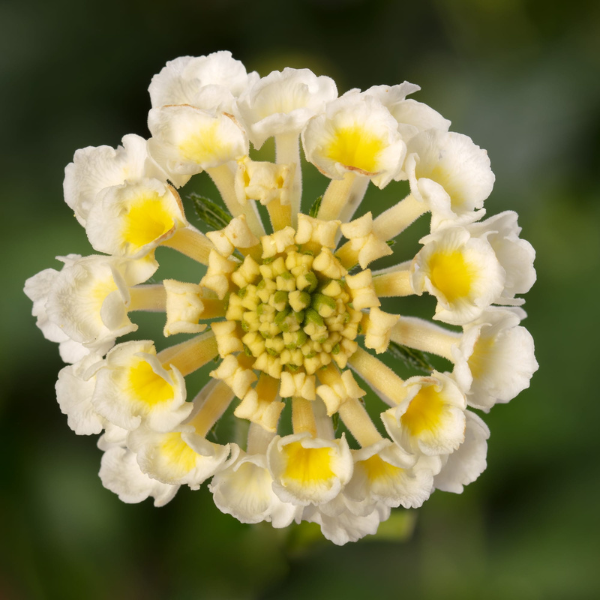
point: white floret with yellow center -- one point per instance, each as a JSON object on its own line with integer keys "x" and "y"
{"x": 461, "y": 271}
{"x": 309, "y": 470}
{"x": 382, "y": 473}
{"x": 133, "y": 219}
{"x": 134, "y": 388}
{"x": 89, "y": 298}
{"x": 355, "y": 134}
{"x": 431, "y": 418}
{"x": 187, "y": 140}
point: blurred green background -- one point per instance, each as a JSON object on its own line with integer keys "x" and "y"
{"x": 522, "y": 78}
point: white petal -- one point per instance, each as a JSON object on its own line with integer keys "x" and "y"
{"x": 308, "y": 471}
{"x": 514, "y": 254}
{"x": 431, "y": 419}
{"x": 467, "y": 463}
{"x": 186, "y": 140}
{"x": 133, "y": 388}
{"x": 177, "y": 458}
{"x": 94, "y": 169}
{"x": 132, "y": 219}
{"x": 244, "y": 490}
{"x": 283, "y": 102}
{"x": 450, "y": 173}
{"x": 183, "y": 80}
{"x": 121, "y": 474}
{"x": 74, "y": 390}
{"x": 496, "y": 358}
{"x": 356, "y": 133}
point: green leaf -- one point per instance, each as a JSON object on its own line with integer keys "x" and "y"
{"x": 215, "y": 216}
{"x": 335, "y": 420}
{"x": 411, "y": 357}
{"x": 314, "y": 209}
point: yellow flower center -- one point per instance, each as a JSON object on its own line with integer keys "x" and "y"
{"x": 451, "y": 274}
{"x": 180, "y": 456}
{"x": 357, "y": 148}
{"x": 424, "y": 412}
{"x": 378, "y": 469}
{"x": 307, "y": 465}
{"x": 146, "y": 221}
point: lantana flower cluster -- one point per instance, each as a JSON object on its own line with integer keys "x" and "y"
{"x": 287, "y": 312}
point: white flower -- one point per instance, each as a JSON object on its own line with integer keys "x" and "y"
{"x": 177, "y": 457}
{"x": 94, "y": 169}
{"x": 382, "y": 473}
{"x": 431, "y": 419}
{"x": 412, "y": 116}
{"x": 187, "y": 140}
{"x": 121, "y": 474}
{"x": 245, "y": 490}
{"x": 461, "y": 271}
{"x": 88, "y": 298}
{"x": 37, "y": 289}
{"x": 467, "y": 463}
{"x": 134, "y": 388}
{"x": 341, "y": 524}
{"x": 495, "y": 359}
{"x": 357, "y": 134}
{"x": 286, "y": 309}
{"x": 74, "y": 391}
{"x": 113, "y": 437}
{"x": 450, "y": 174}
{"x": 133, "y": 219}
{"x": 283, "y": 102}
{"x": 187, "y": 80}
{"x": 515, "y": 255}
{"x": 309, "y": 470}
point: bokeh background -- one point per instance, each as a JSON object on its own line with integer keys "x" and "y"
{"x": 522, "y": 78}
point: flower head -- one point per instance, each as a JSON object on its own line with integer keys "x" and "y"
{"x": 283, "y": 312}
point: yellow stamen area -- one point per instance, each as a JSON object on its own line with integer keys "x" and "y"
{"x": 445, "y": 179}
{"x": 478, "y": 361}
{"x": 146, "y": 220}
{"x": 205, "y": 145}
{"x": 147, "y": 386}
{"x": 307, "y": 465}
{"x": 178, "y": 453}
{"x": 424, "y": 411}
{"x": 451, "y": 274}
{"x": 378, "y": 469}
{"x": 357, "y": 148}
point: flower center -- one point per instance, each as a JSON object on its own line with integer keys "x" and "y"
{"x": 294, "y": 317}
